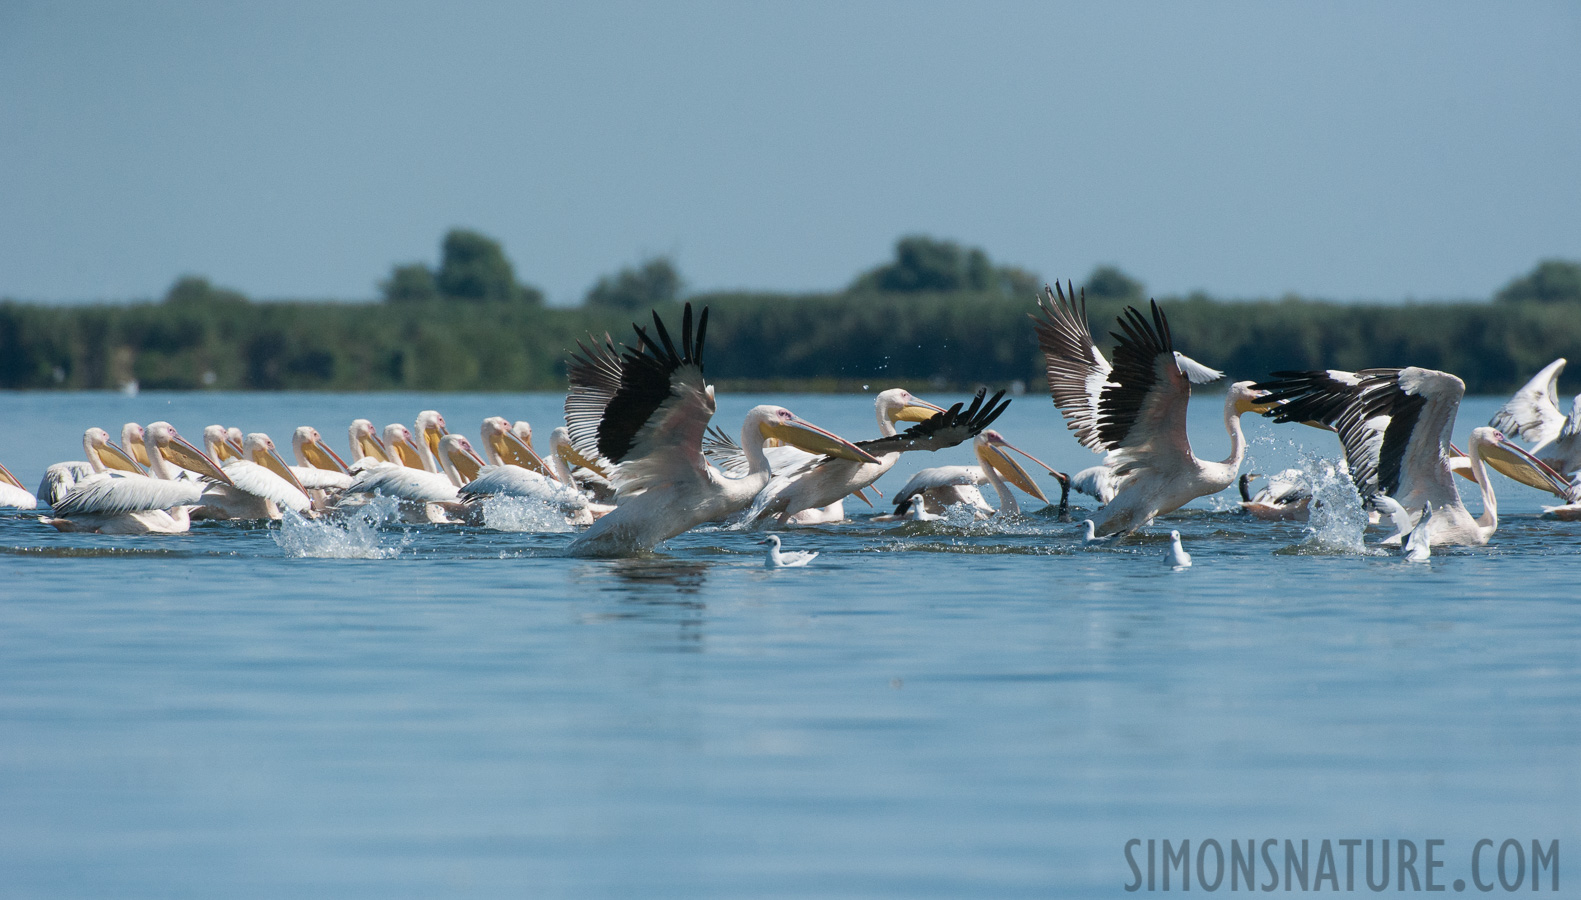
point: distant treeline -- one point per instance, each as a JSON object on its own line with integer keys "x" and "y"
{"x": 891, "y": 326}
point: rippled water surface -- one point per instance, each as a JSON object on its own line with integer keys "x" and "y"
{"x": 947, "y": 709}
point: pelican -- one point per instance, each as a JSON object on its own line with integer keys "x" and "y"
{"x": 132, "y": 443}
{"x": 785, "y": 559}
{"x": 261, "y": 484}
{"x": 821, "y": 481}
{"x": 102, "y": 456}
{"x": 126, "y": 503}
{"x": 1533, "y": 416}
{"x": 1285, "y": 498}
{"x": 435, "y": 492}
{"x": 645, "y": 409}
{"x": 221, "y": 446}
{"x": 427, "y": 431}
{"x": 367, "y": 449}
{"x": 1136, "y": 409}
{"x": 1395, "y": 426}
{"x": 13, "y": 494}
{"x": 407, "y": 451}
{"x": 932, "y": 490}
{"x": 505, "y": 478}
{"x": 1177, "y": 555}
{"x": 319, "y": 470}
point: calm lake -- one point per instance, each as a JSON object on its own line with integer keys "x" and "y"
{"x": 949, "y": 709}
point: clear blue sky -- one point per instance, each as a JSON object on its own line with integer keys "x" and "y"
{"x": 299, "y": 149}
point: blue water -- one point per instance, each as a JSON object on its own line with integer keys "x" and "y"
{"x": 943, "y": 710}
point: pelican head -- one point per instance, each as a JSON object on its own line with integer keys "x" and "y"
{"x": 502, "y": 445}
{"x": 162, "y": 440}
{"x": 365, "y": 442}
{"x": 561, "y": 446}
{"x": 96, "y": 443}
{"x": 457, "y": 456}
{"x": 779, "y": 423}
{"x": 993, "y": 450}
{"x": 219, "y": 444}
{"x": 259, "y": 448}
{"x": 1243, "y": 398}
{"x": 402, "y": 448}
{"x": 430, "y": 428}
{"x": 132, "y": 442}
{"x": 1512, "y": 461}
{"x": 312, "y": 452}
{"x": 897, "y": 405}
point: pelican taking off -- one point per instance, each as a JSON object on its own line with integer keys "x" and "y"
{"x": 1533, "y": 415}
{"x": 645, "y": 409}
{"x": 1136, "y": 409}
{"x": 931, "y": 491}
{"x": 1395, "y": 426}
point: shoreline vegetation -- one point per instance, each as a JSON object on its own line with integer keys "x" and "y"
{"x": 938, "y": 313}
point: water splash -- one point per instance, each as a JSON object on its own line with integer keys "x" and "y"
{"x": 523, "y": 514}
{"x": 1338, "y": 520}
{"x": 356, "y": 536}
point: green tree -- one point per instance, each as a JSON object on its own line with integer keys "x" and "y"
{"x": 1553, "y": 281}
{"x": 926, "y": 265}
{"x": 413, "y": 283}
{"x": 923, "y": 264}
{"x": 1109, "y": 283}
{"x": 653, "y": 282}
{"x": 196, "y": 291}
{"x": 473, "y": 267}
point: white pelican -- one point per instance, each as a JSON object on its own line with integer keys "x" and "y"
{"x": 1177, "y": 555}
{"x": 125, "y": 503}
{"x": 1136, "y": 409}
{"x": 13, "y": 494}
{"x": 261, "y": 484}
{"x": 785, "y": 559}
{"x": 406, "y": 450}
{"x": 435, "y": 492}
{"x": 318, "y": 468}
{"x": 645, "y": 409}
{"x": 1395, "y": 426}
{"x": 1533, "y": 415}
{"x": 1285, "y": 498}
{"x": 821, "y": 481}
{"x": 220, "y": 446}
{"x": 810, "y": 489}
{"x": 102, "y": 456}
{"x": 132, "y": 443}
{"x": 931, "y": 491}
{"x": 367, "y": 449}
{"x": 505, "y": 478}
{"x": 427, "y": 431}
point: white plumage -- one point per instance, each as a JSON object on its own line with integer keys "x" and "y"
{"x": 785, "y": 559}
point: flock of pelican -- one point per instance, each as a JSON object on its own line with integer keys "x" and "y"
{"x": 637, "y": 461}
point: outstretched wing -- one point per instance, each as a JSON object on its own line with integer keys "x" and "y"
{"x": 115, "y": 493}
{"x": 644, "y": 408}
{"x": 1533, "y": 413}
{"x": 1077, "y": 370}
{"x": 943, "y": 429}
{"x": 723, "y": 451}
{"x": 1393, "y": 423}
{"x": 1143, "y": 407}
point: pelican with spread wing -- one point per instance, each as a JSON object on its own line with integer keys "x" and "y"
{"x": 931, "y": 491}
{"x": 1533, "y": 415}
{"x": 644, "y": 410}
{"x": 1135, "y": 409}
{"x": 1395, "y": 426}
{"x": 824, "y": 480}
